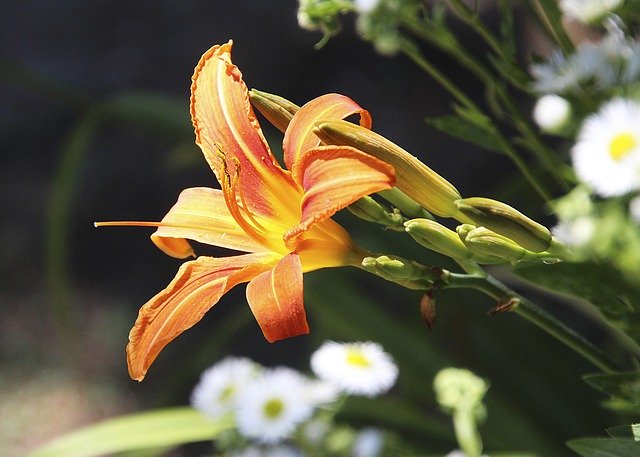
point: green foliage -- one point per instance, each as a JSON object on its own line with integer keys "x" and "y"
{"x": 605, "y": 447}
{"x": 150, "y": 430}
{"x": 622, "y": 388}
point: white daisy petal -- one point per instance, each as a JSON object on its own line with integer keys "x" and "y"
{"x": 270, "y": 409}
{"x": 361, "y": 368}
{"x": 588, "y": 11}
{"x": 219, "y": 385}
{"x": 606, "y": 155}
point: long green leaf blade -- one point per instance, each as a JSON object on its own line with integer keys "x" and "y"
{"x": 153, "y": 429}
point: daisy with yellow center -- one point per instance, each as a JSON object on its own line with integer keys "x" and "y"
{"x": 361, "y": 368}
{"x": 606, "y": 155}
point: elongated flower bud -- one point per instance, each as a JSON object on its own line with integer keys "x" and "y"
{"x": 484, "y": 242}
{"x": 370, "y": 210}
{"x": 437, "y": 237}
{"x": 278, "y": 110}
{"x": 401, "y": 271}
{"x": 413, "y": 177}
{"x": 506, "y": 221}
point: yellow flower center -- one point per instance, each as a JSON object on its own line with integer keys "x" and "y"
{"x": 621, "y": 145}
{"x": 356, "y": 358}
{"x": 273, "y": 408}
{"x": 226, "y": 394}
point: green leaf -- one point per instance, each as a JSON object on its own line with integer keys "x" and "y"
{"x": 152, "y": 429}
{"x": 605, "y": 447}
{"x": 631, "y": 431}
{"x": 620, "y": 386}
{"x": 599, "y": 284}
{"x": 466, "y": 130}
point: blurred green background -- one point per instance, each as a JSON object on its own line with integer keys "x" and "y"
{"x": 95, "y": 127}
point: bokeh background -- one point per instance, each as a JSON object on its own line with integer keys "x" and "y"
{"x": 94, "y": 110}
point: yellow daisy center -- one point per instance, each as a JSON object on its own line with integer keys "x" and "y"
{"x": 621, "y": 145}
{"x": 273, "y": 408}
{"x": 357, "y": 359}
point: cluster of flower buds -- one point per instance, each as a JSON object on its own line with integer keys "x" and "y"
{"x": 490, "y": 231}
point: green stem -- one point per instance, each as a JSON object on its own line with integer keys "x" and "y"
{"x": 411, "y": 51}
{"x": 552, "y": 22}
{"x": 534, "y": 314}
{"x": 471, "y": 18}
{"x": 445, "y": 43}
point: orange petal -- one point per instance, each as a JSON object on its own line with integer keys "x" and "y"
{"x": 200, "y": 214}
{"x": 229, "y": 134}
{"x": 197, "y": 287}
{"x": 333, "y": 177}
{"x": 276, "y": 300}
{"x": 299, "y": 136}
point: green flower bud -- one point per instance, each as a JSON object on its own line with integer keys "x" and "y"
{"x": 506, "y": 221}
{"x": 437, "y": 237}
{"x": 485, "y": 243}
{"x": 276, "y": 109}
{"x": 401, "y": 271}
{"x": 414, "y": 178}
{"x": 459, "y": 389}
{"x": 370, "y": 210}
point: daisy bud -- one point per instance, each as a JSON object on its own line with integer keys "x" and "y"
{"x": 437, "y": 237}
{"x": 278, "y": 110}
{"x": 552, "y": 113}
{"x": 370, "y": 210}
{"x": 459, "y": 389}
{"x": 506, "y": 221}
{"x": 415, "y": 179}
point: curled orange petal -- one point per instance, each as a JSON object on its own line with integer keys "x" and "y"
{"x": 333, "y": 177}
{"x": 197, "y": 287}
{"x": 276, "y": 300}
{"x": 299, "y": 136}
{"x": 229, "y": 134}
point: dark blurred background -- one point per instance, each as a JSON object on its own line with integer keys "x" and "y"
{"x": 94, "y": 108}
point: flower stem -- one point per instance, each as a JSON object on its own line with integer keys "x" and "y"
{"x": 534, "y": 314}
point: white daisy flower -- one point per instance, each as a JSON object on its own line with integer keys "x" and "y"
{"x": 551, "y": 112}
{"x": 271, "y": 407}
{"x": 588, "y": 11}
{"x": 361, "y": 368}
{"x": 219, "y": 385}
{"x": 607, "y": 153}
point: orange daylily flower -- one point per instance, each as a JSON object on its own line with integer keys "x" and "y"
{"x": 280, "y": 219}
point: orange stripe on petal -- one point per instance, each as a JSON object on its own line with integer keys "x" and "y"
{"x": 299, "y": 136}
{"x": 227, "y": 130}
{"x": 197, "y": 287}
{"x": 200, "y": 214}
{"x": 276, "y": 300}
{"x": 333, "y": 177}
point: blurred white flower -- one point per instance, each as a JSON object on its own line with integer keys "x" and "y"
{"x": 459, "y": 453}
{"x": 277, "y": 451}
{"x": 588, "y": 11}
{"x": 607, "y": 153}
{"x": 361, "y": 368}
{"x": 365, "y": 6}
{"x": 219, "y": 385}
{"x": 551, "y": 112}
{"x": 634, "y": 209}
{"x": 575, "y": 232}
{"x": 368, "y": 443}
{"x": 271, "y": 407}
